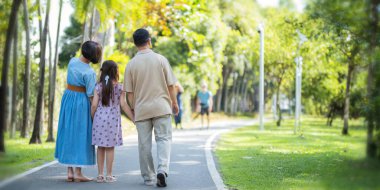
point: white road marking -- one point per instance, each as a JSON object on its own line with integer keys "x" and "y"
{"x": 209, "y": 157}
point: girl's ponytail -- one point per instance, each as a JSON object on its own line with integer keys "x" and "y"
{"x": 109, "y": 73}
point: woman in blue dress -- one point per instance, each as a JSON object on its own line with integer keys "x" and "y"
{"x": 178, "y": 118}
{"x": 74, "y": 148}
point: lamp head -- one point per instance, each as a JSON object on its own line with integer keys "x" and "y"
{"x": 260, "y": 27}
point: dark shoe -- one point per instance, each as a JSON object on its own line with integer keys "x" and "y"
{"x": 161, "y": 179}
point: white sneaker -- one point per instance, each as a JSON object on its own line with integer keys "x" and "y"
{"x": 110, "y": 179}
{"x": 149, "y": 182}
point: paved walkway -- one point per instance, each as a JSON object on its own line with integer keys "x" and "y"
{"x": 188, "y": 169}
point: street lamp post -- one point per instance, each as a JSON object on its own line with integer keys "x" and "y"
{"x": 260, "y": 29}
{"x": 298, "y": 61}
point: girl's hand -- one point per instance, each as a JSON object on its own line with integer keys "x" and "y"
{"x": 94, "y": 104}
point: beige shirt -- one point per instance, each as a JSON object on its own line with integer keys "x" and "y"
{"x": 148, "y": 76}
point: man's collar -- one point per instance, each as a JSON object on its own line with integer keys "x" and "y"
{"x": 148, "y": 50}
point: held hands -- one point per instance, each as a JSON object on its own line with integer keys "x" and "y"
{"x": 175, "y": 109}
{"x": 133, "y": 118}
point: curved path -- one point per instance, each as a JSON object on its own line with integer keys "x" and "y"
{"x": 191, "y": 165}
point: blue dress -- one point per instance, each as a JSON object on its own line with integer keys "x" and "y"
{"x": 73, "y": 146}
{"x": 178, "y": 118}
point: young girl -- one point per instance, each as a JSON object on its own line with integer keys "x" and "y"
{"x": 73, "y": 147}
{"x": 105, "y": 109}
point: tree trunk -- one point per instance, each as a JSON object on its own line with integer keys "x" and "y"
{"x": 84, "y": 28}
{"x": 347, "y": 99}
{"x": 238, "y": 93}
{"x": 330, "y": 116}
{"x": 4, "y": 76}
{"x": 279, "y": 119}
{"x": 39, "y": 19}
{"x": 373, "y": 23}
{"x": 50, "y": 89}
{"x": 37, "y": 121}
{"x": 51, "y": 102}
{"x": 241, "y": 91}
{"x": 12, "y": 130}
{"x": 218, "y": 97}
{"x": 25, "y": 120}
{"x": 40, "y": 27}
{"x": 225, "y": 94}
{"x": 245, "y": 103}
{"x": 226, "y": 73}
{"x": 233, "y": 97}
{"x": 256, "y": 96}
{"x": 91, "y": 32}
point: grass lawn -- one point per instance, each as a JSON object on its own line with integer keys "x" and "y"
{"x": 20, "y": 156}
{"x": 317, "y": 158}
{"x": 195, "y": 118}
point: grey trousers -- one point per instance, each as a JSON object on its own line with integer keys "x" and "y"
{"x": 162, "y": 126}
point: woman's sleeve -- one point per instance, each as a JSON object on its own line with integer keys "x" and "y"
{"x": 90, "y": 81}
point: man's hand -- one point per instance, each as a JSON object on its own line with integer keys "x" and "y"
{"x": 198, "y": 108}
{"x": 175, "y": 108}
{"x": 210, "y": 109}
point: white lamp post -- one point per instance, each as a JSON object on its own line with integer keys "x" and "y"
{"x": 260, "y": 29}
{"x": 298, "y": 61}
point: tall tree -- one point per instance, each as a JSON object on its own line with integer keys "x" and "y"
{"x": 35, "y": 138}
{"x": 53, "y": 78}
{"x": 345, "y": 28}
{"x": 351, "y": 56}
{"x": 50, "y": 89}
{"x": 25, "y": 118}
{"x": 39, "y": 19}
{"x": 12, "y": 130}
{"x": 40, "y": 31}
{"x": 4, "y": 73}
{"x": 372, "y": 91}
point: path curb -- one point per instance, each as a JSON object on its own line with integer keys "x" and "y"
{"x": 210, "y": 143}
{"x": 211, "y": 163}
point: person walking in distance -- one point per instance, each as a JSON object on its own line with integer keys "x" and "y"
{"x": 204, "y": 103}
{"x": 178, "y": 118}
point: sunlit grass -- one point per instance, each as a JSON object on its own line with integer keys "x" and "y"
{"x": 318, "y": 157}
{"x": 20, "y": 156}
{"x": 195, "y": 118}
